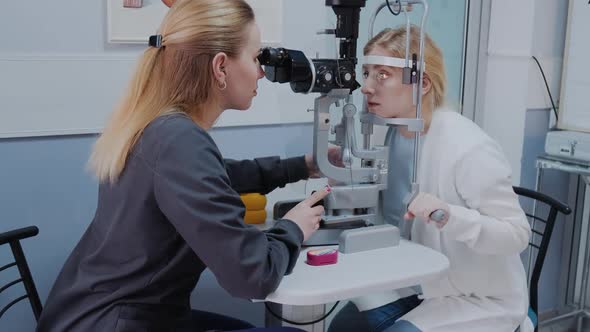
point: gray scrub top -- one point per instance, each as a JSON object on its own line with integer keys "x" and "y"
{"x": 174, "y": 211}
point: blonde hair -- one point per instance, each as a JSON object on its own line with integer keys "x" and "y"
{"x": 394, "y": 41}
{"x": 175, "y": 77}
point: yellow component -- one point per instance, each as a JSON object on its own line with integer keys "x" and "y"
{"x": 255, "y": 216}
{"x": 254, "y": 201}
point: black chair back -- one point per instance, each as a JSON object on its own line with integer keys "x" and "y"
{"x": 13, "y": 238}
{"x": 543, "y": 228}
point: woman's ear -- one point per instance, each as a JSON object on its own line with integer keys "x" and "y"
{"x": 219, "y": 63}
{"x": 426, "y": 84}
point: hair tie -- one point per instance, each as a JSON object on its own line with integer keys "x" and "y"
{"x": 155, "y": 41}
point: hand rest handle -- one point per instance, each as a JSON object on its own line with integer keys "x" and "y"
{"x": 438, "y": 215}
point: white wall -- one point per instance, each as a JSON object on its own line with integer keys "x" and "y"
{"x": 60, "y": 76}
{"x": 518, "y": 30}
{"x": 548, "y": 45}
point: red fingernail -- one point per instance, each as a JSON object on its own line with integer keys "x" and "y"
{"x": 328, "y": 188}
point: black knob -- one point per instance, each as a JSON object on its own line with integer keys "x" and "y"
{"x": 325, "y": 75}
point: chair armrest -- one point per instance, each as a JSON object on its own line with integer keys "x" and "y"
{"x": 18, "y": 234}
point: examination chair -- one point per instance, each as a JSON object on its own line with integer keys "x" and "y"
{"x": 13, "y": 239}
{"x": 542, "y": 220}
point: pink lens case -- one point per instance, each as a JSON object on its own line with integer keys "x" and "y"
{"x": 322, "y": 256}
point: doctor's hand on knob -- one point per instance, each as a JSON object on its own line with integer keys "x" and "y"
{"x": 429, "y": 208}
{"x": 306, "y": 215}
{"x": 334, "y": 157}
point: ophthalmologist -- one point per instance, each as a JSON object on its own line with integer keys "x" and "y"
{"x": 168, "y": 202}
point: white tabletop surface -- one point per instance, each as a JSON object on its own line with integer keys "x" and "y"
{"x": 361, "y": 273}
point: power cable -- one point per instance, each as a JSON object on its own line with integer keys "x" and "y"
{"x": 547, "y": 86}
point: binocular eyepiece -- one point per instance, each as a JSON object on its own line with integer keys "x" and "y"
{"x": 270, "y": 56}
{"x": 307, "y": 75}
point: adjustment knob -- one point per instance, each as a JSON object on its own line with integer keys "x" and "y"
{"x": 345, "y": 75}
{"x": 325, "y": 76}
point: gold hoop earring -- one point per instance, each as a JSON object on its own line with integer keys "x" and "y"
{"x": 222, "y": 86}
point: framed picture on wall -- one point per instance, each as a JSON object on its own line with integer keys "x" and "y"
{"x": 133, "y": 21}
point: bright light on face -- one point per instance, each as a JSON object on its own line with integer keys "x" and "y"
{"x": 379, "y": 74}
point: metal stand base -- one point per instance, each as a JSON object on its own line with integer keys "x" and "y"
{"x": 296, "y": 314}
{"x": 584, "y": 268}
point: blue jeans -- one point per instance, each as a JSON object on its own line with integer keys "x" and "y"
{"x": 381, "y": 319}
